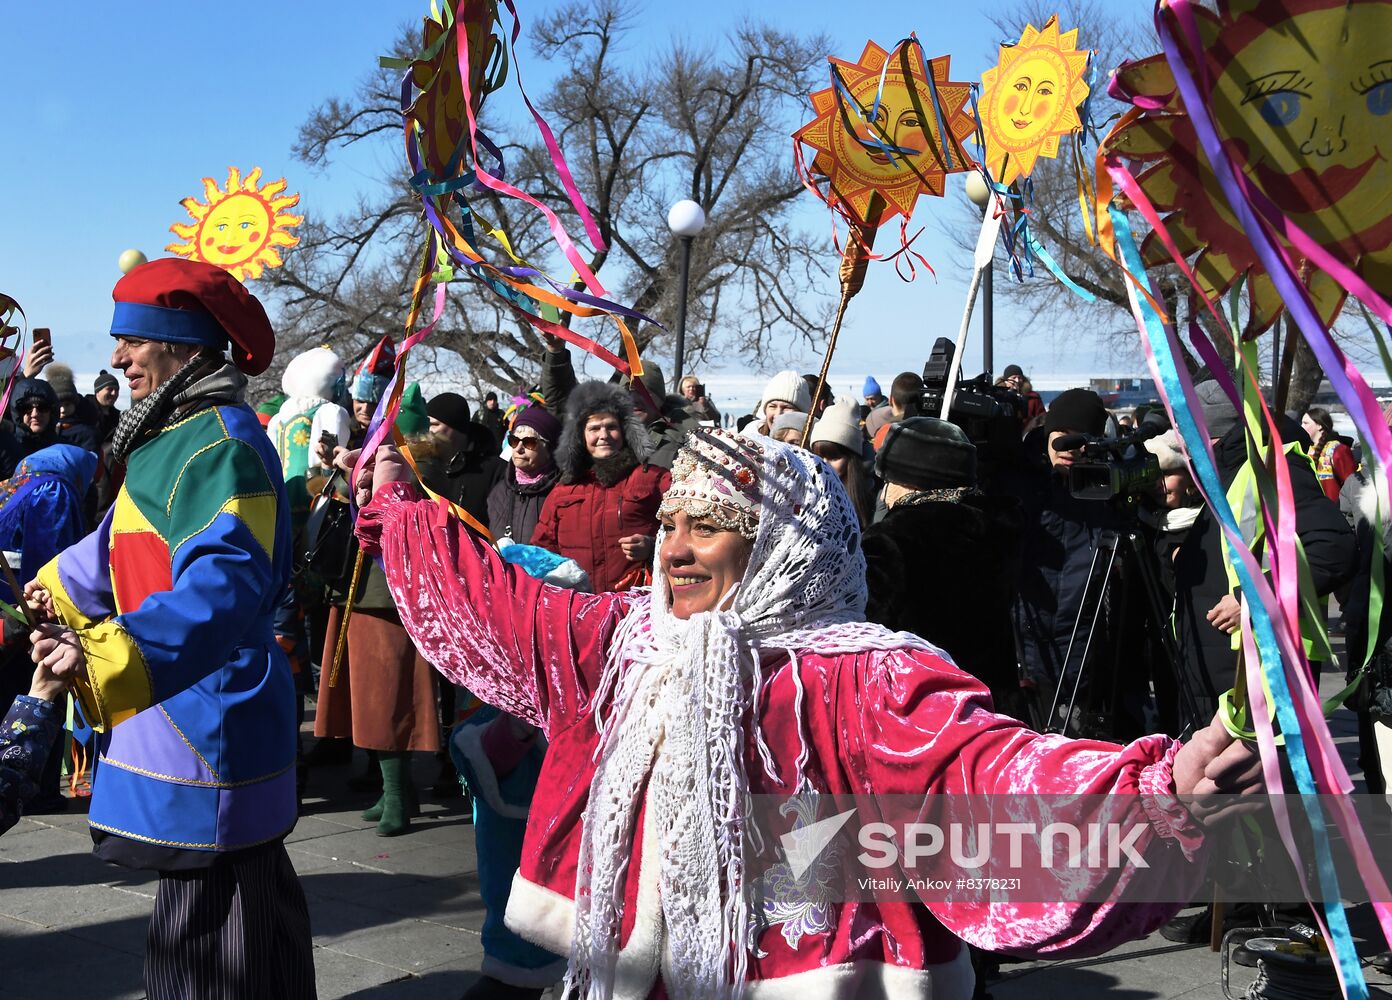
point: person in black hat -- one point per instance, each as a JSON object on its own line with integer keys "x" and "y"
{"x": 943, "y": 563}
{"x": 467, "y": 452}
{"x": 490, "y": 415}
{"x": 1060, "y": 536}
{"x": 1031, "y": 406}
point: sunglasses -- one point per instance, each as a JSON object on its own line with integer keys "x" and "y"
{"x": 522, "y": 444}
{"x": 34, "y": 405}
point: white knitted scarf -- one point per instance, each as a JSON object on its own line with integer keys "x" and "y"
{"x": 672, "y": 707}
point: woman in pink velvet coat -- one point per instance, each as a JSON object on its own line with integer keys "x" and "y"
{"x": 749, "y": 671}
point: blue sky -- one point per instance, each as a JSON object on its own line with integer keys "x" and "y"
{"x": 116, "y": 114}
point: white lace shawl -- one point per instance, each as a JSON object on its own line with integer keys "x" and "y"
{"x": 675, "y": 697}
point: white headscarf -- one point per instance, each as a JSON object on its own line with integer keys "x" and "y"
{"x": 804, "y": 589}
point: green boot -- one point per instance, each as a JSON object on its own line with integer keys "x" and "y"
{"x": 396, "y": 793}
{"x": 373, "y": 813}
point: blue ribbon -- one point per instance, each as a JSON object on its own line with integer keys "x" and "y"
{"x": 1158, "y": 337}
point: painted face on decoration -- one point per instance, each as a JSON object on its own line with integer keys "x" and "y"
{"x": 1029, "y": 103}
{"x": 1309, "y": 101}
{"x": 702, "y": 561}
{"x": 241, "y": 228}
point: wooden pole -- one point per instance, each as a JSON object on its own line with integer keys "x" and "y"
{"x": 341, "y": 640}
{"x": 854, "y": 261}
{"x": 1287, "y": 367}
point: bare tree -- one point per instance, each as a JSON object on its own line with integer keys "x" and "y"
{"x": 639, "y": 131}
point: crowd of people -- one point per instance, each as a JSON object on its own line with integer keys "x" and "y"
{"x": 635, "y": 617}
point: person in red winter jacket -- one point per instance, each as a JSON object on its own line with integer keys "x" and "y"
{"x": 603, "y": 513}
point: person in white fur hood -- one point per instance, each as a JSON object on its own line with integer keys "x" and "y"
{"x": 312, "y": 383}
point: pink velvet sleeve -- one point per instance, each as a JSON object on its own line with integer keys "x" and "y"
{"x": 530, "y": 649}
{"x": 927, "y": 726}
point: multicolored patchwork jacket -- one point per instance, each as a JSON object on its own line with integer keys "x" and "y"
{"x": 172, "y": 598}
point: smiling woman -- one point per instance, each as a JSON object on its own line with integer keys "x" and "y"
{"x": 749, "y": 669}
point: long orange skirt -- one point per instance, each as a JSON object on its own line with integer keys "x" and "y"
{"x": 384, "y": 696}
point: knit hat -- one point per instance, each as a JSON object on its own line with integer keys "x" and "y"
{"x": 789, "y": 387}
{"x": 1219, "y": 413}
{"x": 840, "y": 424}
{"x": 104, "y": 378}
{"x": 792, "y": 421}
{"x": 536, "y": 420}
{"x": 1011, "y": 371}
{"x": 716, "y": 476}
{"x": 451, "y": 409}
{"x": 870, "y": 388}
{"x": 1168, "y": 450}
{"x": 1077, "y": 410}
{"x": 60, "y": 376}
{"x": 926, "y": 453}
{"x": 375, "y": 372}
{"x": 178, "y": 301}
{"x": 412, "y": 419}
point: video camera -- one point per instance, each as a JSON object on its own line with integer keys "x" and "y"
{"x": 988, "y": 414}
{"x": 1108, "y": 471}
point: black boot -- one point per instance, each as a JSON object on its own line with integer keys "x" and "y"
{"x": 369, "y": 780}
{"x": 330, "y": 751}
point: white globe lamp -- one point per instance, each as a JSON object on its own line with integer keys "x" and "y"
{"x": 686, "y": 218}
{"x": 130, "y": 260}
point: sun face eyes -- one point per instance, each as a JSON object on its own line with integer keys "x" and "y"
{"x": 1280, "y": 108}
{"x": 1379, "y": 98}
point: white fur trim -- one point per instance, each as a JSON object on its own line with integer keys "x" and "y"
{"x": 469, "y": 740}
{"x": 515, "y": 975}
{"x": 547, "y": 919}
{"x": 312, "y": 374}
{"x": 953, "y": 980}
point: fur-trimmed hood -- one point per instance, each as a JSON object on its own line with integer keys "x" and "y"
{"x": 585, "y": 400}
{"x": 313, "y": 374}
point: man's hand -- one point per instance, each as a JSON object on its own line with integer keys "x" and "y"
{"x": 1213, "y": 763}
{"x": 57, "y": 651}
{"x": 554, "y": 344}
{"x": 39, "y": 359}
{"x": 323, "y": 455}
{"x": 637, "y": 548}
{"x": 1226, "y": 615}
{"x": 39, "y": 602}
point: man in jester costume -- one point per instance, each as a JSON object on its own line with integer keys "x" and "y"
{"x": 161, "y": 618}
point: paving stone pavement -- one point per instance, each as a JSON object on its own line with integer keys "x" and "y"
{"x": 400, "y": 917}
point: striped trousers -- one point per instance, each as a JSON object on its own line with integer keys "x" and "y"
{"x": 236, "y": 931}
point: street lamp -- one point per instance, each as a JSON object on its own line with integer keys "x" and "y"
{"x": 980, "y": 194}
{"x": 130, "y": 260}
{"x": 686, "y": 219}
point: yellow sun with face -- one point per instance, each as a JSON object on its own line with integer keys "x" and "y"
{"x": 1301, "y": 101}
{"x": 1030, "y": 99}
{"x": 238, "y": 229}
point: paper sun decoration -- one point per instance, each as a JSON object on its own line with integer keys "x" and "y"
{"x": 879, "y": 129}
{"x": 1030, "y": 100}
{"x": 1302, "y": 99}
{"x": 238, "y": 229}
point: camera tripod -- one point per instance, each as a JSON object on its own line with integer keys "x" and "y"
{"x": 1124, "y": 573}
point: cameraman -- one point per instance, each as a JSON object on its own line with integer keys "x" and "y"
{"x": 1057, "y": 545}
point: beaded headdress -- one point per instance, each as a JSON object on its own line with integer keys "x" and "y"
{"x": 716, "y": 477}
